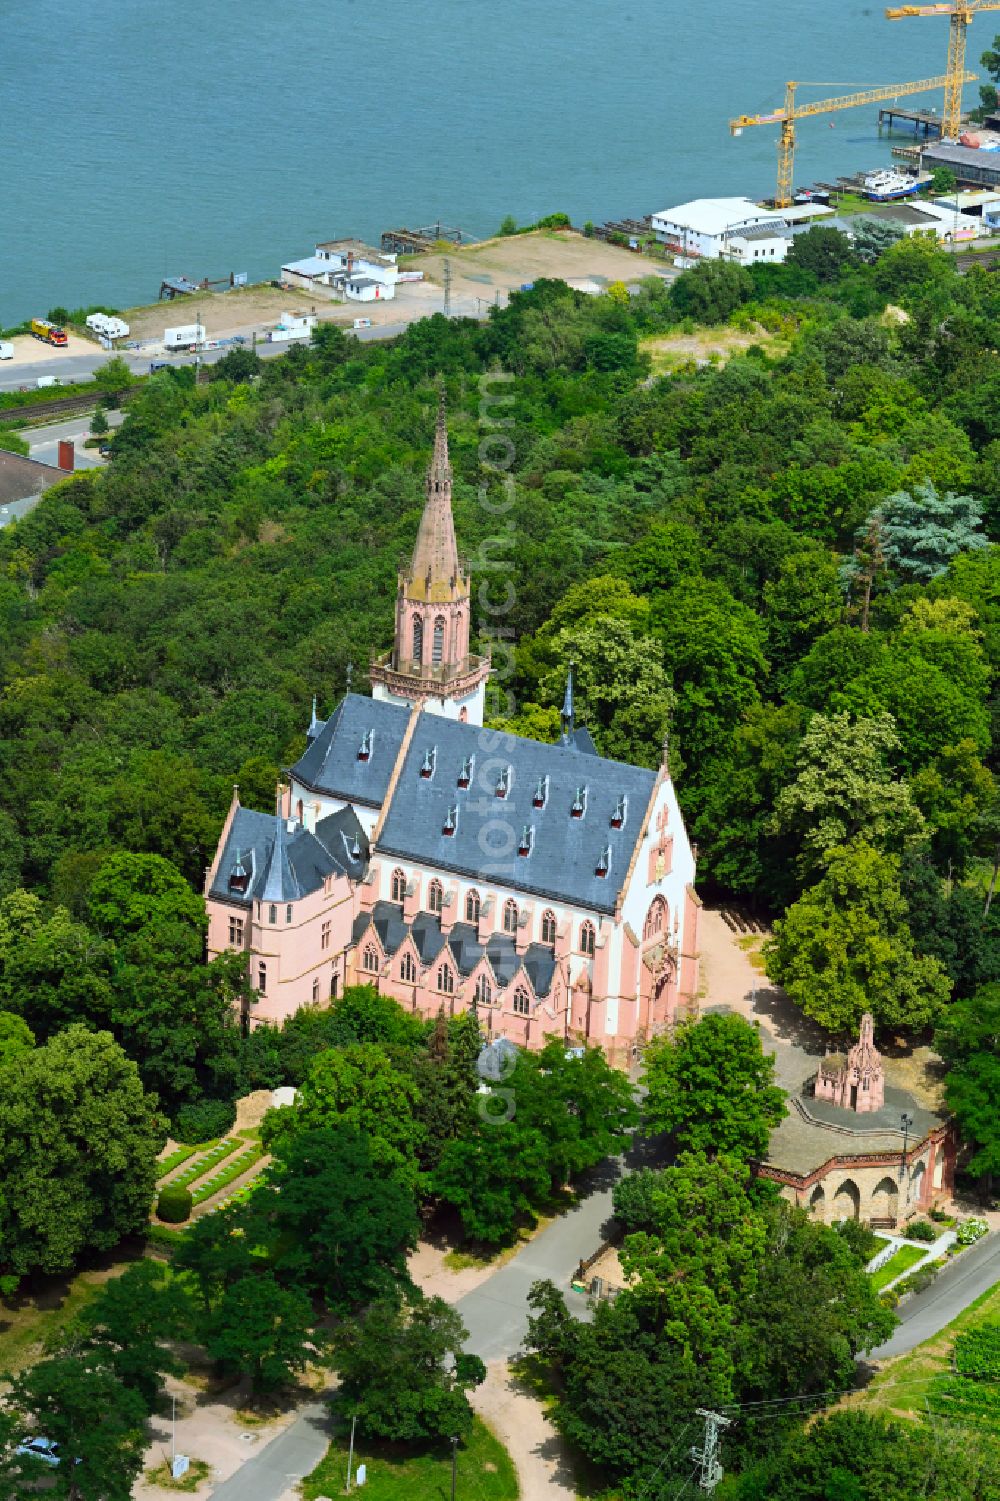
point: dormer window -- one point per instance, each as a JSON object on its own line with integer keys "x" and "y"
{"x": 429, "y": 762}
{"x": 239, "y": 878}
{"x": 450, "y": 822}
{"x": 541, "y": 795}
{"x": 620, "y": 814}
{"x": 579, "y": 807}
{"x": 604, "y": 862}
{"x": 468, "y": 768}
{"x": 365, "y": 748}
{"x": 503, "y": 782}
{"x": 526, "y": 841}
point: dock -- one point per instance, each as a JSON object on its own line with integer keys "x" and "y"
{"x": 423, "y": 241}
{"x": 925, "y": 121}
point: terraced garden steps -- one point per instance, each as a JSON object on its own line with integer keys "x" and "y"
{"x": 206, "y": 1162}
{"x": 233, "y": 1168}
{"x": 209, "y": 1169}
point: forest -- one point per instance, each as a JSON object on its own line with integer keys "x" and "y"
{"x": 785, "y": 561}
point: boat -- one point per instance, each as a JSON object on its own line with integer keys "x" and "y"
{"x": 884, "y": 185}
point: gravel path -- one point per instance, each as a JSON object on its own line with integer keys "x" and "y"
{"x": 521, "y": 1424}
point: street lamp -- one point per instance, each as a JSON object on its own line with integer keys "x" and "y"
{"x": 905, "y": 1122}
{"x": 454, "y": 1456}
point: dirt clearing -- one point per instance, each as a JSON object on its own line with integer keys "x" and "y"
{"x": 506, "y": 263}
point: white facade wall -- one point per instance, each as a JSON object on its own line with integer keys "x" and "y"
{"x": 469, "y": 708}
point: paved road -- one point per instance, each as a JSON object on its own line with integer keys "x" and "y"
{"x": 957, "y": 1285}
{"x": 284, "y": 1461}
{"x": 496, "y": 1312}
{"x": 44, "y": 441}
{"x": 76, "y": 367}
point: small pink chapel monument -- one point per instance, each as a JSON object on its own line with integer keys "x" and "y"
{"x": 857, "y": 1081}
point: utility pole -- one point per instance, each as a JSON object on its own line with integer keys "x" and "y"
{"x": 447, "y": 288}
{"x": 350, "y": 1452}
{"x": 708, "y": 1455}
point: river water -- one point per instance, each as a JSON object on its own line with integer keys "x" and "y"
{"x": 141, "y": 140}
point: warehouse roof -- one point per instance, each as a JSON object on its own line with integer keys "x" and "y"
{"x": 715, "y": 216}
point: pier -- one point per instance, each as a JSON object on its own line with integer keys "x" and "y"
{"x": 423, "y": 241}
{"x": 926, "y": 121}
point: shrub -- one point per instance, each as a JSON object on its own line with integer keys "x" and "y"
{"x": 204, "y": 1120}
{"x": 889, "y": 1297}
{"x": 969, "y": 1231}
{"x": 918, "y": 1282}
{"x": 174, "y": 1204}
{"x": 922, "y": 1231}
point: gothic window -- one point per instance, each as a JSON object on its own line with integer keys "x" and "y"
{"x": 236, "y": 932}
{"x": 484, "y": 991}
{"x": 446, "y": 979}
{"x": 435, "y": 896}
{"x": 522, "y": 1004}
{"x": 548, "y": 927}
{"x": 407, "y": 968}
{"x": 398, "y": 885}
{"x": 299, "y": 810}
{"x": 370, "y": 959}
{"x": 655, "y": 917}
{"x": 418, "y": 639}
{"x": 272, "y": 913}
{"x": 324, "y": 935}
{"x": 262, "y": 978}
{"x": 437, "y": 655}
{"x": 510, "y": 916}
{"x": 334, "y": 986}
{"x": 472, "y": 907}
{"x": 288, "y": 912}
{"x": 588, "y": 938}
{"x": 315, "y": 991}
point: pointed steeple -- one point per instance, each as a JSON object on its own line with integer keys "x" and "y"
{"x": 566, "y": 716}
{"x": 435, "y": 570}
{"x": 315, "y": 725}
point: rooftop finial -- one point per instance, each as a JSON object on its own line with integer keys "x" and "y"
{"x": 566, "y": 716}
{"x": 665, "y": 760}
{"x": 314, "y": 724}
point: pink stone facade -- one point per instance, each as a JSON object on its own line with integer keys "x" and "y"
{"x": 857, "y": 1082}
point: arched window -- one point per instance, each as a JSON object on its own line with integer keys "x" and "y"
{"x": 472, "y": 907}
{"x": 398, "y": 885}
{"x": 435, "y": 896}
{"x": 522, "y": 1002}
{"x": 418, "y": 639}
{"x": 656, "y": 918}
{"x": 446, "y": 979}
{"x": 369, "y": 959}
{"x": 315, "y": 991}
{"x": 437, "y": 653}
{"x": 484, "y": 991}
{"x": 407, "y": 968}
{"x": 262, "y": 978}
{"x": 588, "y": 939}
{"x": 510, "y": 916}
{"x": 548, "y": 927}
{"x": 272, "y": 913}
{"x": 299, "y": 810}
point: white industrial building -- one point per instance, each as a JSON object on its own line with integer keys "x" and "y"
{"x": 711, "y": 228}
{"x": 345, "y": 269}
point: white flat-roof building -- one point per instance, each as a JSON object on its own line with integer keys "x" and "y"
{"x": 705, "y": 225}
{"x": 345, "y": 268}
{"x": 760, "y": 244}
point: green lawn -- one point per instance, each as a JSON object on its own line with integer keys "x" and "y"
{"x": 485, "y": 1472}
{"x": 901, "y": 1262}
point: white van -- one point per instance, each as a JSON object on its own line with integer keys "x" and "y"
{"x": 362, "y": 323}
{"x": 47, "y": 380}
{"x": 6, "y": 350}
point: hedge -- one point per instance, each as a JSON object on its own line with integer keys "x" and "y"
{"x": 174, "y": 1204}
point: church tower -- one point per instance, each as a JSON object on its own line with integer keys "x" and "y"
{"x": 430, "y": 662}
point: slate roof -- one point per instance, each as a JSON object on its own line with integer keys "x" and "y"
{"x": 565, "y": 851}
{"x": 538, "y": 959}
{"x": 330, "y": 764}
{"x": 284, "y": 866}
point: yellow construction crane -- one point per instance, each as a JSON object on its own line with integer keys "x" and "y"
{"x": 960, "y": 14}
{"x": 791, "y": 112}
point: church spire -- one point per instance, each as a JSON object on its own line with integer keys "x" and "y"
{"x": 567, "y": 716}
{"x": 434, "y": 571}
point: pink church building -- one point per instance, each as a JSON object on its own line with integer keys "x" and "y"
{"x": 455, "y": 866}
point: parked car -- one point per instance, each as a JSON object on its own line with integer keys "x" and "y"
{"x": 104, "y": 449}
{"x": 6, "y": 350}
{"x": 45, "y": 1449}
